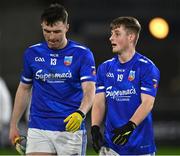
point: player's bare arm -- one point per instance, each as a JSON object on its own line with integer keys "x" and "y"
{"x": 88, "y": 88}
{"x": 20, "y": 104}
{"x": 98, "y": 109}
{"x": 144, "y": 109}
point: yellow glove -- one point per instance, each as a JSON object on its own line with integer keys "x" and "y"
{"x": 20, "y": 144}
{"x": 74, "y": 121}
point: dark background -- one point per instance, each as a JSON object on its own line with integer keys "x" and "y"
{"x": 89, "y": 24}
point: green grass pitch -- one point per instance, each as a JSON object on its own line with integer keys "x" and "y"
{"x": 160, "y": 151}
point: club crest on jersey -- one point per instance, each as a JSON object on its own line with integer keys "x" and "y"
{"x": 131, "y": 76}
{"x": 68, "y": 60}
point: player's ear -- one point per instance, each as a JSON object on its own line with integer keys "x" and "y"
{"x": 132, "y": 37}
{"x": 42, "y": 23}
{"x": 67, "y": 27}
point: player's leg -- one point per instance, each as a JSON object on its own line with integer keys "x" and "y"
{"x": 68, "y": 143}
{"x": 107, "y": 151}
{"x": 38, "y": 143}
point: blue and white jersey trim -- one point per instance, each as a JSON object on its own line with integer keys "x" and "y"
{"x": 35, "y": 45}
{"x": 100, "y": 87}
{"x": 109, "y": 60}
{"x": 145, "y": 89}
{"x": 85, "y": 77}
{"x": 26, "y": 79}
{"x": 142, "y": 60}
{"x": 80, "y": 47}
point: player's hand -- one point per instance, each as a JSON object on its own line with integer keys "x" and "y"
{"x": 20, "y": 144}
{"x": 122, "y": 134}
{"x": 13, "y": 133}
{"x": 96, "y": 138}
{"x": 74, "y": 121}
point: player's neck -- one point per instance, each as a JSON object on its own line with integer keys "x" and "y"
{"x": 63, "y": 44}
{"x": 126, "y": 55}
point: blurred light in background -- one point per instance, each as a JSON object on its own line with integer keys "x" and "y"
{"x": 159, "y": 28}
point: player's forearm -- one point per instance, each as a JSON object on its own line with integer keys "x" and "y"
{"x": 86, "y": 104}
{"x": 97, "y": 115}
{"x": 88, "y": 97}
{"x": 142, "y": 111}
{"x": 20, "y": 104}
{"x": 98, "y": 109}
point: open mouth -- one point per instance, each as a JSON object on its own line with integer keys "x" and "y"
{"x": 114, "y": 45}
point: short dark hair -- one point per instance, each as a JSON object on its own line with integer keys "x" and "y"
{"x": 131, "y": 24}
{"x": 54, "y": 13}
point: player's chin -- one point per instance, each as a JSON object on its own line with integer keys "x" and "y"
{"x": 114, "y": 51}
{"x": 52, "y": 46}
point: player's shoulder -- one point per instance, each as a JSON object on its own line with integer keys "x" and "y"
{"x": 108, "y": 63}
{"x": 36, "y": 45}
{"x": 78, "y": 46}
{"x": 145, "y": 62}
{"x": 35, "y": 48}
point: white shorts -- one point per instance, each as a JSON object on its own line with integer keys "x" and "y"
{"x": 61, "y": 143}
{"x": 108, "y": 151}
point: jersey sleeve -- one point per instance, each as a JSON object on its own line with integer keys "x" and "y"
{"x": 100, "y": 86}
{"x": 88, "y": 69}
{"x": 149, "y": 80}
{"x": 27, "y": 74}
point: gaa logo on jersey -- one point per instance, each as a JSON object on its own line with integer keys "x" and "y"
{"x": 68, "y": 60}
{"x": 131, "y": 76}
{"x": 39, "y": 59}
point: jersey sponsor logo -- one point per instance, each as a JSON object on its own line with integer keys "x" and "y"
{"x": 120, "y": 77}
{"x": 120, "y": 95}
{"x": 39, "y": 59}
{"x": 131, "y": 76}
{"x": 109, "y": 75}
{"x": 54, "y": 55}
{"x": 53, "y": 61}
{"x": 120, "y": 70}
{"x": 68, "y": 60}
{"x": 52, "y": 77}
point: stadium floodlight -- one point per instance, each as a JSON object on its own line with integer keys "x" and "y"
{"x": 159, "y": 27}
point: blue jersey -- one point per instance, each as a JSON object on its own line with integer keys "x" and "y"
{"x": 123, "y": 84}
{"x": 56, "y": 77}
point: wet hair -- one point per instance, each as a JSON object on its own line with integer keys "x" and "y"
{"x": 131, "y": 24}
{"x": 54, "y": 13}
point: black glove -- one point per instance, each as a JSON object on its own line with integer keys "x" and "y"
{"x": 122, "y": 134}
{"x": 96, "y": 138}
